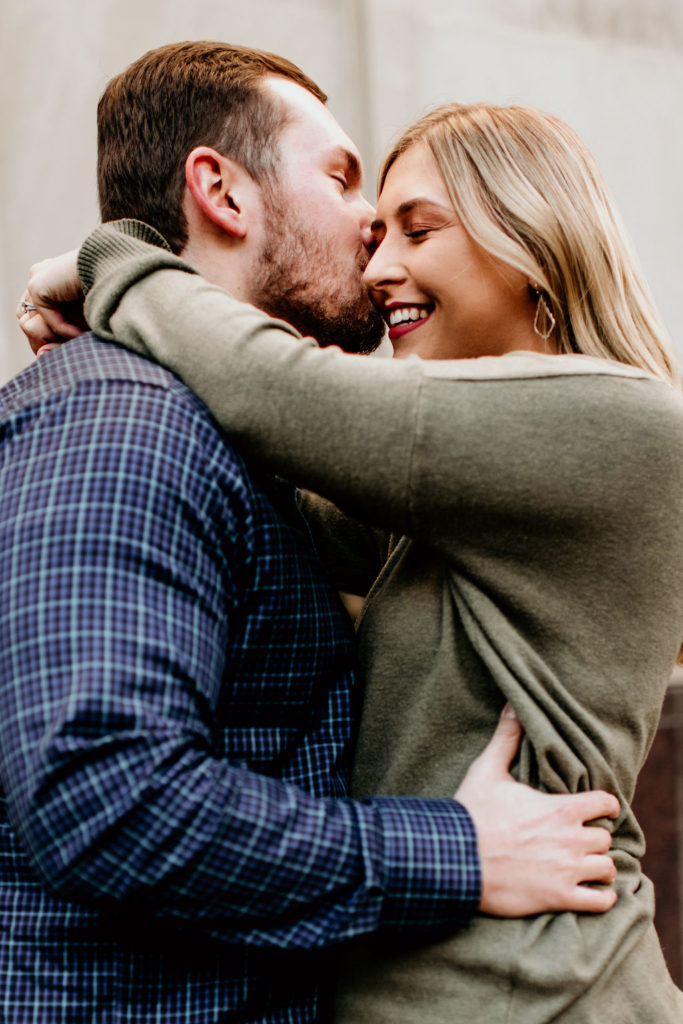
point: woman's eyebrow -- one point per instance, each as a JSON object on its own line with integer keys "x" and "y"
{"x": 409, "y": 205}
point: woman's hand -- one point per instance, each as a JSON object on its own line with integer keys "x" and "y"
{"x": 55, "y": 299}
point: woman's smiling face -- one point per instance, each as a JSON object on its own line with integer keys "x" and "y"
{"x": 442, "y": 295}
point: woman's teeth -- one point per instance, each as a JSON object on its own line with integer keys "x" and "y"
{"x": 406, "y": 314}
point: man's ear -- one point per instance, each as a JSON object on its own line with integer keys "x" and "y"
{"x": 219, "y": 186}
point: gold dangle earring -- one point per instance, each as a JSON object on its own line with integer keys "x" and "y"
{"x": 544, "y": 321}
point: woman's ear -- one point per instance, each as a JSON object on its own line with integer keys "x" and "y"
{"x": 218, "y": 186}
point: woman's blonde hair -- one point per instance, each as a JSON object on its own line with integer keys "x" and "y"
{"x": 528, "y": 191}
{"x": 526, "y": 188}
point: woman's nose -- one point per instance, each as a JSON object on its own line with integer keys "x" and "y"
{"x": 384, "y": 268}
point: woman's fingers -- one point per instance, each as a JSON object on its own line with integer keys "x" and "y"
{"x": 36, "y": 328}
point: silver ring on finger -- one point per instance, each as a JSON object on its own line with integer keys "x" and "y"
{"x": 27, "y": 307}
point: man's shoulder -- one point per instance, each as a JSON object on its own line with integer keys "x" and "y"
{"x": 87, "y": 359}
{"x": 89, "y": 369}
{"x": 88, "y": 381}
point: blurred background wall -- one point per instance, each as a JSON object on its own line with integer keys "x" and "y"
{"x": 612, "y": 68}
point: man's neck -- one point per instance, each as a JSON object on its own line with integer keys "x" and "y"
{"x": 219, "y": 266}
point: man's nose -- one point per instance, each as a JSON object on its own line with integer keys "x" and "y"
{"x": 366, "y": 217}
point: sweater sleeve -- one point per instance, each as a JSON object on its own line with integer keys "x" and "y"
{"x": 395, "y": 443}
{"x": 336, "y": 424}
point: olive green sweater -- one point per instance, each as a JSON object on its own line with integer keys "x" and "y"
{"x": 534, "y": 552}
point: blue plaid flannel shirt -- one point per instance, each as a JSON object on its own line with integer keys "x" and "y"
{"x": 176, "y": 712}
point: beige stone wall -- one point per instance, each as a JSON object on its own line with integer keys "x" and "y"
{"x": 612, "y": 68}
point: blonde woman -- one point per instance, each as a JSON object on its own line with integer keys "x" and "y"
{"x": 525, "y": 482}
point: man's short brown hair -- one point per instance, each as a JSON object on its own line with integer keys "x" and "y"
{"x": 172, "y": 99}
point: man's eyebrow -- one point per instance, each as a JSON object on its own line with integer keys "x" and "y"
{"x": 408, "y": 206}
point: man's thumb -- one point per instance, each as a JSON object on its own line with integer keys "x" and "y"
{"x": 504, "y": 744}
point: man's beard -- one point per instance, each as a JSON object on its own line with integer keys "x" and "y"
{"x": 299, "y": 278}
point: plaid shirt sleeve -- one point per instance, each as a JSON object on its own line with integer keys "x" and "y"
{"x": 116, "y": 613}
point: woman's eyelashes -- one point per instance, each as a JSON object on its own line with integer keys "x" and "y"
{"x": 414, "y": 234}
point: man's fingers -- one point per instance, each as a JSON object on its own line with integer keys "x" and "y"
{"x": 598, "y": 868}
{"x": 587, "y": 900}
{"x": 595, "y": 839}
{"x": 593, "y": 805}
{"x": 535, "y": 848}
{"x": 501, "y": 749}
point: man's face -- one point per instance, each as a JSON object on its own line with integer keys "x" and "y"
{"x": 317, "y": 226}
